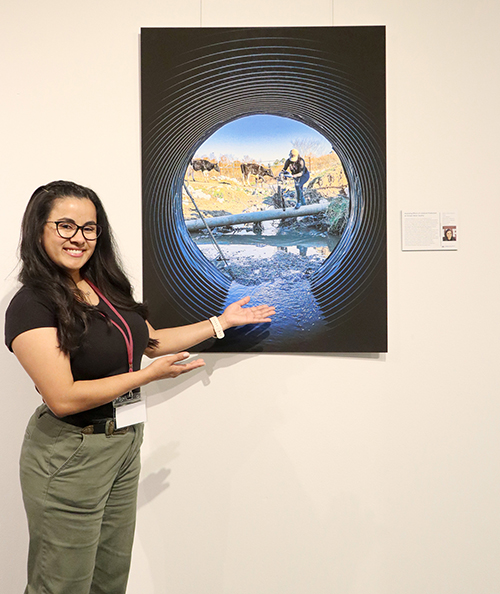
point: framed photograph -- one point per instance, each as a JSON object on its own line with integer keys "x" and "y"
{"x": 264, "y": 174}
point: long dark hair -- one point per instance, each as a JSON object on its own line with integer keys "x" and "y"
{"x": 40, "y": 273}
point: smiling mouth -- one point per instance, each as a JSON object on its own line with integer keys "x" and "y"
{"x": 74, "y": 252}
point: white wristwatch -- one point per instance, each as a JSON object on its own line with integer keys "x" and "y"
{"x": 219, "y": 332}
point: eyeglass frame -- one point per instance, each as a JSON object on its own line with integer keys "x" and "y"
{"x": 78, "y": 228}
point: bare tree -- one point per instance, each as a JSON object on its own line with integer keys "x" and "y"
{"x": 309, "y": 147}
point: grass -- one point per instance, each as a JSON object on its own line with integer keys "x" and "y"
{"x": 337, "y": 214}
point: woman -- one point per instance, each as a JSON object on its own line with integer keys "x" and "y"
{"x": 80, "y": 335}
{"x": 300, "y": 175}
{"x": 448, "y": 235}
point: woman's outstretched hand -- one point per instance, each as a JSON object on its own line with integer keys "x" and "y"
{"x": 238, "y": 315}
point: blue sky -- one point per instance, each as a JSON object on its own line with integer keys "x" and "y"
{"x": 261, "y": 137}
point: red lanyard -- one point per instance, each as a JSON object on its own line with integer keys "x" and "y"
{"x": 129, "y": 341}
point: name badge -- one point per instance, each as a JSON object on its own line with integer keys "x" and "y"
{"x": 131, "y": 414}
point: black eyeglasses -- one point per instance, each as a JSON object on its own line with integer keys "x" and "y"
{"x": 67, "y": 230}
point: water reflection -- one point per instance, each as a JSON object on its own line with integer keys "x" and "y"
{"x": 303, "y": 244}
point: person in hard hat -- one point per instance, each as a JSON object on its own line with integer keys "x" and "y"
{"x": 300, "y": 174}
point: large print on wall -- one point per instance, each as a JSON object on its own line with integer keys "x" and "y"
{"x": 229, "y": 115}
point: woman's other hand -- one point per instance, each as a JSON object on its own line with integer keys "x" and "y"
{"x": 171, "y": 366}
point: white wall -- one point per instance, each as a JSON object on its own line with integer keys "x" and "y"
{"x": 270, "y": 474}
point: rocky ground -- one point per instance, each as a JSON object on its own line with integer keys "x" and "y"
{"x": 280, "y": 266}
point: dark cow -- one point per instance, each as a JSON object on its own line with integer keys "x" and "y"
{"x": 248, "y": 169}
{"x": 204, "y": 166}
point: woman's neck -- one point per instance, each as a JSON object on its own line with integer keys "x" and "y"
{"x": 76, "y": 277}
{"x": 89, "y": 295}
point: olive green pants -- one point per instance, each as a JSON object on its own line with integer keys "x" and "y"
{"x": 80, "y": 496}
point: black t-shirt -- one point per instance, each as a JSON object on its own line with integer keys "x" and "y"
{"x": 102, "y": 353}
{"x": 298, "y": 166}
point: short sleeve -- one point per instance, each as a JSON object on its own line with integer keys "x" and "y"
{"x": 27, "y": 311}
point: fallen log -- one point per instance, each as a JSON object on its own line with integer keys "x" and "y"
{"x": 255, "y": 217}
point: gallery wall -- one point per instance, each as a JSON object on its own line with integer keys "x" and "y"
{"x": 367, "y": 474}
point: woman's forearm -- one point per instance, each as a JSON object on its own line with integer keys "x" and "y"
{"x": 86, "y": 394}
{"x": 173, "y": 340}
{"x": 50, "y": 369}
